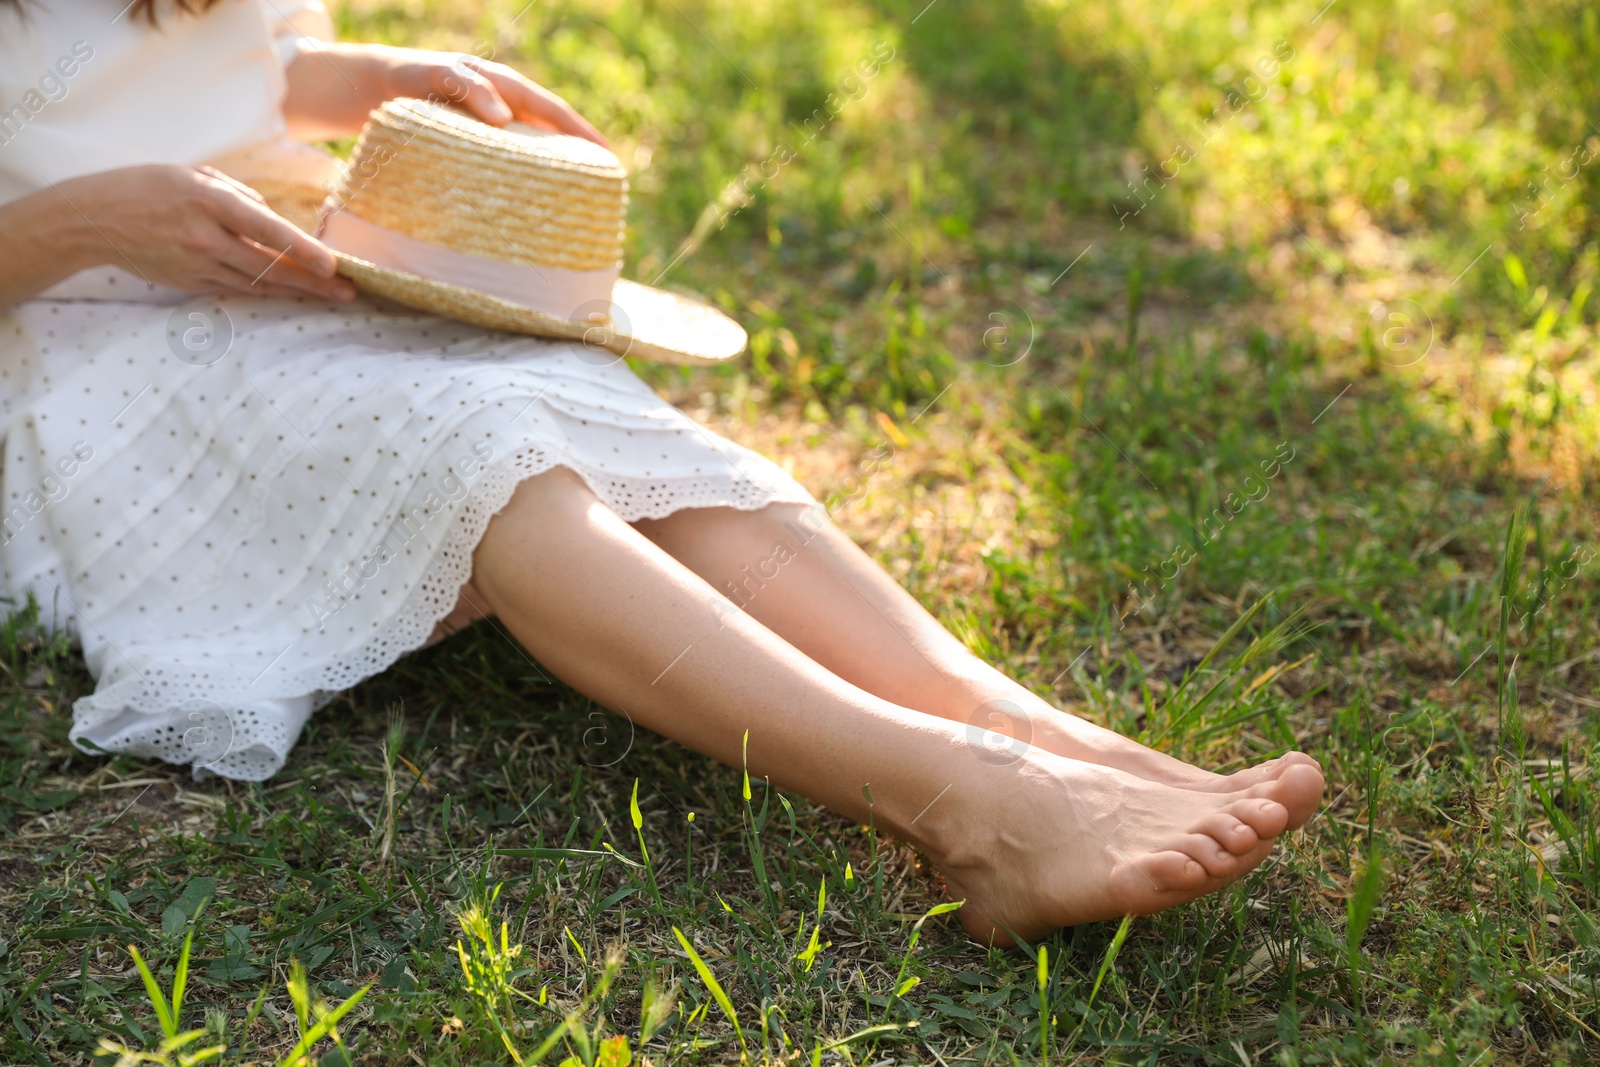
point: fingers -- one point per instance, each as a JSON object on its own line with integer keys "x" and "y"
{"x": 538, "y": 106}
{"x": 466, "y": 86}
{"x": 266, "y": 266}
{"x": 225, "y": 279}
{"x": 212, "y": 172}
{"x": 496, "y": 94}
{"x": 253, "y": 221}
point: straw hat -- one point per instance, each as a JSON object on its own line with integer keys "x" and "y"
{"x": 515, "y": 229}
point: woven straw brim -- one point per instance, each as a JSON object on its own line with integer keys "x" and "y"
{"x": 646, "y": 323}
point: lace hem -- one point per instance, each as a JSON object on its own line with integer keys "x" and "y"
{"x": 244, "y": 730}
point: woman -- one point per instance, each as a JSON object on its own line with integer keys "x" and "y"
{"x": 193, "y": 521}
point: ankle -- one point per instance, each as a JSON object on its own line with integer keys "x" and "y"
{"x": 969, "y": 813}
{"x": 979, "y": 697}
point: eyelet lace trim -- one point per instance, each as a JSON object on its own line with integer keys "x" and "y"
{"x": 244, "y": 729}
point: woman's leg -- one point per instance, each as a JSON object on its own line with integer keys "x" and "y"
{"x": 803, "y": 578}
{"x": 1032, "y": 843}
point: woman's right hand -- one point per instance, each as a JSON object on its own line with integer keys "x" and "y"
{"x": 191, "y": 228}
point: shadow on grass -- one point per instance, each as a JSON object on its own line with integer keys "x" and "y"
{"x": 1024, "y": 100}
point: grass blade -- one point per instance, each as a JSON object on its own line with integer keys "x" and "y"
{"x": 713, "y": 986}
{"x": 1110, "y": 956}
{"x": 322, "y": 1027}
{"x": 180, "y": 977}
{"x": 169, "y": 1025}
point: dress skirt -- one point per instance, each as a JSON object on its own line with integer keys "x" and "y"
{"x": 242, "y": 506}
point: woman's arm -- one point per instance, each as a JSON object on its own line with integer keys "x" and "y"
{"x": 44, "y": 243}
{"x": 191, "y": 228}
{"x": 333, "y": 88}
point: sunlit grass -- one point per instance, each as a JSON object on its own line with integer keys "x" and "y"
{"x": 1042, "y": 373}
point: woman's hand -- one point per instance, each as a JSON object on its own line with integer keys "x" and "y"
{"x": 334, "y": 87}
{"x": 191, "y": 228}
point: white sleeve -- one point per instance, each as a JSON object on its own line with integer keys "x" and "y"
{"x": 296, "y": 25}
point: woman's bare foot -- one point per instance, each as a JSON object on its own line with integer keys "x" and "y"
{"x": 1107, "y": 748}
{"x": 1051, "y": 842}
{"x": 1011, "y": 725}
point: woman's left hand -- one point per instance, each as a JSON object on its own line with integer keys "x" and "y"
{"x": 333, "y": 87}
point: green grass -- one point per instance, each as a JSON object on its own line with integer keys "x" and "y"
{"x": 1302, "y": 453}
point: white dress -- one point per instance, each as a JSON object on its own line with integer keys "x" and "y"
{"x": 236, "y": 535}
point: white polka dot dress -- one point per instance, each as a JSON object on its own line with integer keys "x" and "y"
{"x": 243, "y": 506}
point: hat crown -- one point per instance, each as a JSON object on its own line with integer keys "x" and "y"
{"x": 517, "y": 194}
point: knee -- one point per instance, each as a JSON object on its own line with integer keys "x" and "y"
{"x": 553, "y": 507}
{"x": 559, "y": 491}
{"x": 557, "y": 482}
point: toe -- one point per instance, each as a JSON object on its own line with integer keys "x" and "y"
{"x": 1209, "y": 853}
{"x": 1176, "y": 872}
{"x": 1299, "y": 788}
{"x": 1263, "y": 814}
{"x": 1269, "y": 770}
{"x": 1233, "y": 834}
{"x": 1262, "y": 772}
{"x": 1246, "y": 863}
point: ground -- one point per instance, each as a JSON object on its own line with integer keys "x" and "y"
{"x": 1225, "y": 373}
